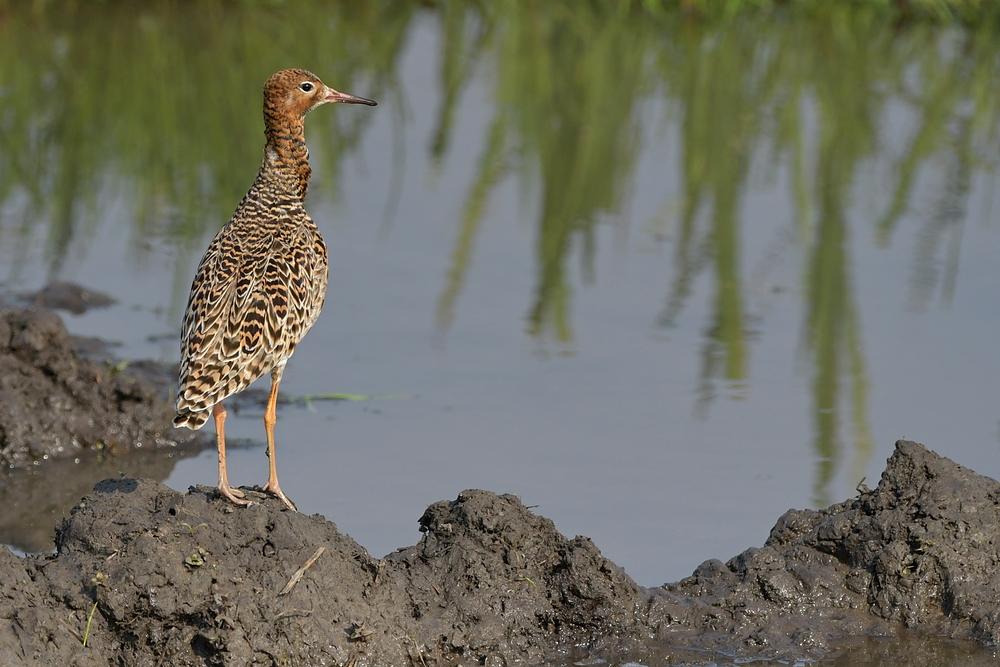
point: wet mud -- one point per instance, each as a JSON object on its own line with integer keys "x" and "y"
{"x": 71, "y": 414}
{"x": 920, "y": 552}
{"x": 150, "y": 576}
{"x": 57, "y": 403}
{"x": 35, "y": 499}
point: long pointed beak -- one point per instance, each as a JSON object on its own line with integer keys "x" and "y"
{"x": 331, "y": 95}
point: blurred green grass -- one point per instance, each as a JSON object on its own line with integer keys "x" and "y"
{"x": 939, "y": 11}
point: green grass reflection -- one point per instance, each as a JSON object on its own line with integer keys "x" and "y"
{"x": 568, "y": 76}
{"x": 157, "y": 102}
{"x": 845, "y": 68}
{"x": 810, "y": 89}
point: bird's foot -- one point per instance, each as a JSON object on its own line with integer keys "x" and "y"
{"x": 275, "y": 490}
{"x": 235, "y": 496}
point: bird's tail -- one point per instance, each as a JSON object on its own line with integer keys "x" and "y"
{"x": 192, "y": 420}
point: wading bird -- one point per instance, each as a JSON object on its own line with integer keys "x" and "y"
{"x": 262, "y": 281}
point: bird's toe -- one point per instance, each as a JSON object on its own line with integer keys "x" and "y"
{"x": 276, "y": 491}
{"x": 235, "y": 496}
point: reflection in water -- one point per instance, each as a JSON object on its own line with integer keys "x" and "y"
{"x": 567, "y": 87}
{"x": 136, "y": 100}
{"x": 944, "y": 226}
{"x": 764, "y": 87}
{"x": 846, "y": 132}
{"x": 34, "y": 500}
{"x": 908, "y": 648}
{"x": 119, "y": 98}
{"x": 720, "y": 121}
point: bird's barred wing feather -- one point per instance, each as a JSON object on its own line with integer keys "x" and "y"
{"x": 256, "y": 293}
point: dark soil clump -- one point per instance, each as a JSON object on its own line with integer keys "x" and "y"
{"x": 920, "y": 551}
{"x": 188, "y": 579}
{"x": 55, "y": 403}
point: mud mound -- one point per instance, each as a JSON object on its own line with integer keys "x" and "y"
{"x": 190, "y": 580}
{"x": 169, "y": 578}
{"x": 921, "y": 550}
{"x": 489, "y": 578}
{"x": 54, "y": 403}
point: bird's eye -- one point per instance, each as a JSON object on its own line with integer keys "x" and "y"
{"x": 306, "y": 87}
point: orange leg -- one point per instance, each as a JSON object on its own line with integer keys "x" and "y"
{"x": 270, "y": 417}
{"x": 235, "y": 495}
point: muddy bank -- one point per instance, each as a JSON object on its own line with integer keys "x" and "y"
{"x": 920, "y": 551}
{"x": 56, "y": 403}
{"x": 191, "y": 580}
{"x": 35, "y": 499}
{"x": 188, "y": 579}
{"x": 71, "y": 414}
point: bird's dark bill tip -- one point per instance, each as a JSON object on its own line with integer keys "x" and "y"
{"x": 344, "y": 98}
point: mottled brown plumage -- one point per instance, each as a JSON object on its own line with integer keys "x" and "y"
{"x": 262, "y": 282}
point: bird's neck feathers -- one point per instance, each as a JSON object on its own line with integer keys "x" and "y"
{"x": 286, "y": 157}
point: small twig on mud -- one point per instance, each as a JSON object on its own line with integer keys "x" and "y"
{"x": 86, "y": 632}
{"x": 302, "y": 570}
{"x": 510, "y": 547}
{"x": 440, "y": 594}
{"x": 163, "y": 654}
{"x": 419, "y": 652}
{"x": 76, "y": 633}
{"x": 292, "y": 612}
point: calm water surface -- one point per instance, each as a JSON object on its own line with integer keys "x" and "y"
{"x": 662, "y": 280}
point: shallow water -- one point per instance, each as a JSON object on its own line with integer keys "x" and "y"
{"x": 661, "y": 280}
{"x": 905, "y": 649}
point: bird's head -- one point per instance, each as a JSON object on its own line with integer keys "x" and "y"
{"x": 296, "y": 92}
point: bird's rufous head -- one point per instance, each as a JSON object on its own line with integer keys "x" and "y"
{"x": 296, "y": 92}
